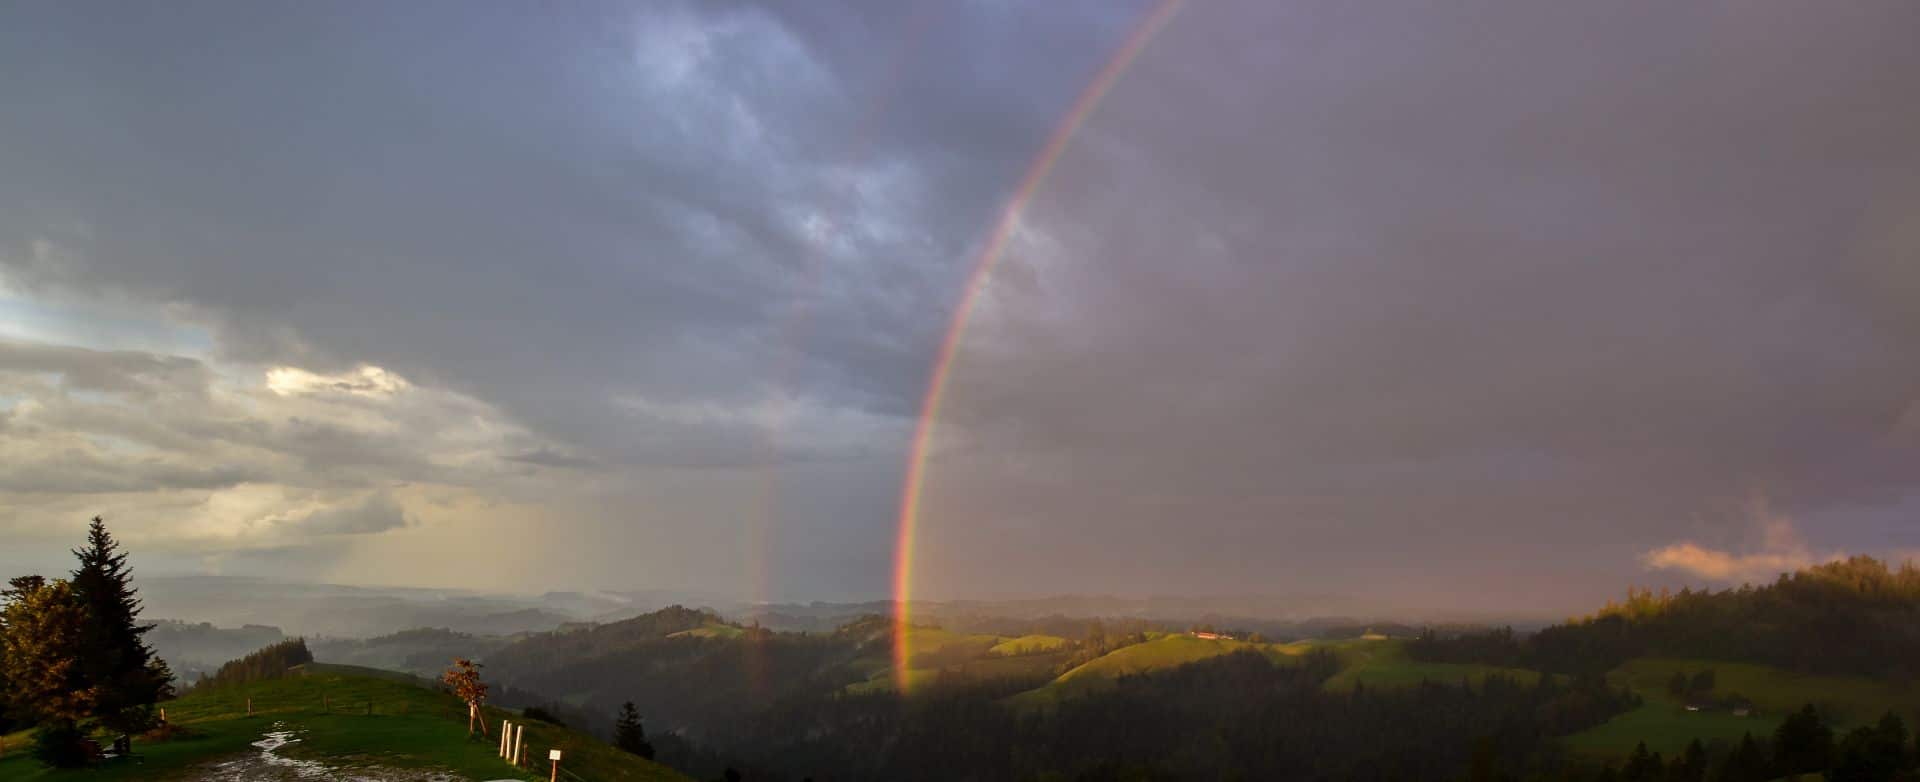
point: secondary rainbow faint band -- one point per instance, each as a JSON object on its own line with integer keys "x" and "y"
{"x": 1149, "y": 26}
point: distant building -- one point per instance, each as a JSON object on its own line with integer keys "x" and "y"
{"x": 1212, "y": 636}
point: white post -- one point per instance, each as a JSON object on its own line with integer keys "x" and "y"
{"x": 519, "y": 742}
{"x": 500, "y": 745}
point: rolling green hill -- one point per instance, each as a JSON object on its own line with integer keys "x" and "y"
{"x": 1374, "y": 662}
{"x": 711, "y": 630}
{"x": 935, "y": 650}
{"x": 1166, "y": 651}
{"x": 1664, "y": 722}
{"x": 1029, "y": 644}
{"x": 346, "y": 720}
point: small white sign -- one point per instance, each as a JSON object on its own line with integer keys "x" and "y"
{"x": 553, "y": 754}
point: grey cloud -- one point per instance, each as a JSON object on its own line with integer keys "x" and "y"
{"x": 154, "y": 422}
{"x": 537, "y": 211}
{"x": 377, "y": 513}
{"x": 1448, "y": 286}
{"x": 78, "y": 470}
{"x": 1322, "y": 294}
{"x": 129, "y": 372}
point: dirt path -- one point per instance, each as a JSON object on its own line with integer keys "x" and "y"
{"x": 268, "y": 765}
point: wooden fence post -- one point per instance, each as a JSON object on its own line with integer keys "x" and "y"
{"x": 249, "y": 705}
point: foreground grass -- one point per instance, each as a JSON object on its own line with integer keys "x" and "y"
{"x": 1666, "y": 726}
{"x": 349, "y": 717}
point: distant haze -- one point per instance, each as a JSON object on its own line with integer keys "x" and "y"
{"x": 1487, "y": 306}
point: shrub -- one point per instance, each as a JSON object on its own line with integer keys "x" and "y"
{"x": 60, "y": 746}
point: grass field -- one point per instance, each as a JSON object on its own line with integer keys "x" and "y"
{"x": 1665, "y": 724}
{"x": 933, "y": 643}
{"x": 1029, "y": 644}
{"x": 710, "y": 630}
{"x": 1381, "y": 663}
{"x": 1166, "y": 651}
{"x": 348, "y": 717}
{"x": 934, "y": 650}
{"x": 1373, "y": 661}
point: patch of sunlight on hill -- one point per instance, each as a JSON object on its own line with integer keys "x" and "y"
{"x": 1666, "y": 725}
{"x": 1371, "y": 661}
{"x": 971, "y": 655}
{"x": 710, "y": 630}
{"x": 1029, "y": 644}
{"x": 935, "y": 640}
{"x": 1378, "y": 662}
{"x": 1166, "y": 651}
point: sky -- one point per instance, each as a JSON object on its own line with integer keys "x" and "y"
{"x": 1507, "y": 305}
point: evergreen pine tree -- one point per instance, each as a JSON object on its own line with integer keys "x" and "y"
{"x": 1747, "y": 763}
{"x": 1690, "y": 765}
{"x": 117, "y": 661}
{"x": 1643, "y": 766}
{"x": 1803, "y": 744}
{"x": 629, "y": 735}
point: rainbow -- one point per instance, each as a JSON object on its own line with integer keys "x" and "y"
{"x": 996, "y": 244}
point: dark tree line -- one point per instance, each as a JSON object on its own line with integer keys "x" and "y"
{"x": 72, "y": 653}
{"x": 688, "y": 684}
{"x": 1237, "y": 716}
{"x": 1802, "y": 745}
{"x": 1856, "y": 616}
{"x": 269, "y": 662}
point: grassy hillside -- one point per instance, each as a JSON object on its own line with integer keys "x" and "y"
{"x": 1380, "y": 663}
{"x": 1029, "y": 644}
{"x": 935, "y": 650}
{"x": 711, "y": 630}
{"x": 1665, "y": 724}
{"x": 1166, "y": 651}
{"x": 346, "y": 718}
{"x": 424, "y": 651}
{"x": 932, "y": 646}
{"x": 1376, "y": 662}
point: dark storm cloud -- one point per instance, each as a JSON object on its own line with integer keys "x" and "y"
{"x": 539, "y": 207}
{"x": 660, "y": 237}
{"x": 1461, "y": 298}
{"x": 1403, "y": 298}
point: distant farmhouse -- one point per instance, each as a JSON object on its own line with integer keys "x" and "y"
{"x": 1211, "y": 636}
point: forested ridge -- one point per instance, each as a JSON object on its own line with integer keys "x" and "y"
{"x": 1237, "y": 716}
{"x": 777, "y": 706}
{"x": 1855, "y": 616}
{"x": 270, "y": 662}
